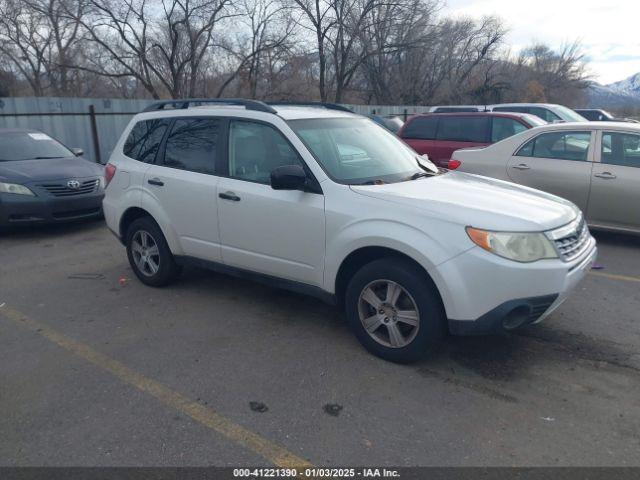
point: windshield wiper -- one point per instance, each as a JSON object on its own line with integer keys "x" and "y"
{"x": 373, "y": 182}
{"x": 44, "y": 158}
{"x": 417, "y": 175}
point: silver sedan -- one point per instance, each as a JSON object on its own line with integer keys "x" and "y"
{"x": 596, "y": 166}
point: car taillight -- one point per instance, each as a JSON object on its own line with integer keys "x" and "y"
{"x": 109, "y": 172}
{"x": 453, "y": 164}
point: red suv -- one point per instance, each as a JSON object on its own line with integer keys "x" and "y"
{"x": 440, "y": 134}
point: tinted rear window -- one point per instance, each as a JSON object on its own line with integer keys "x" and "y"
{"x": 422, "y": 128}
{"x": 464, "y": 129}
{"x": 144, "y": 140}
{"x": 192, "y": 144}
{"x": 26, "y": 146}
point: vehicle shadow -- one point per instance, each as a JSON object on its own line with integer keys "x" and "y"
{"x": 36, "y": 232}
{"x": 500, "y": 357}
{"x": 616, "y": 239}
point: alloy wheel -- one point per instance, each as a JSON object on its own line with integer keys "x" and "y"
{"x": 388, "y": 313}
{"x": 145, "y": 253}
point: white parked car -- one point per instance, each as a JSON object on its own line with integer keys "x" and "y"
{"x": 326, "y": 202}
{"x": 595, "y": 165}
{"x": 550, "y": 112}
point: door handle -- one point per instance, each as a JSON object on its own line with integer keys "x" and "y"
{"x": 522, "y": 166}
{"x": 605, "y": 175}
{"x": 229, "y": 196}
{"x": 155, "y": 181}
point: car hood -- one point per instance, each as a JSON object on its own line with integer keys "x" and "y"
{"x": 27, "y": 171}
{"x": 482, "y": 202}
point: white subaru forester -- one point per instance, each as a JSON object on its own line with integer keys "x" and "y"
{"x": 325, "y": 202}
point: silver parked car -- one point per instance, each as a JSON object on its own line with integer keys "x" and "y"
{"x": 595, "y": 165}
{"x": 549, "y": 112}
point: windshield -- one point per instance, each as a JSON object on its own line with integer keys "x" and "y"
{"x": 30, "y": 145}
{"x": 569, "y": 115}
{"x": 534, "y": 120}
{"x": 358, "y": 151}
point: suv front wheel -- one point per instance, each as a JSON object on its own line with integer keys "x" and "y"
{"x": 394, "y": 310}
{"x": 149, "y": 255}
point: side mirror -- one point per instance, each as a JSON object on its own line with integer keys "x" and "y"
{"x": 77, "y": 152}
{"x": 288, "y": 177}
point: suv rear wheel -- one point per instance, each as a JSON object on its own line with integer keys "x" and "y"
{"x": 394, "y": 310}
{"x": 149, "y": 254}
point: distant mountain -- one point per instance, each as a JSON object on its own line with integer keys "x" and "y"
{"x": 628, "y": 86}
{"x": 625, "y": 93}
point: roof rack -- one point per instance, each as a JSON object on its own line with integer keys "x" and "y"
{"x": 329, "y": 106}
{"x": 185, "y": 103}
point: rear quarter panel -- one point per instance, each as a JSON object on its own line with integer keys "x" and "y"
{"x": 491, "y": 161}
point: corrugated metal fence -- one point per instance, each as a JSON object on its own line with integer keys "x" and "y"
{"x": 95, "y": 124}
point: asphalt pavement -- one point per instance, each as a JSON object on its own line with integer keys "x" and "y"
{"x": 100, "y": 370}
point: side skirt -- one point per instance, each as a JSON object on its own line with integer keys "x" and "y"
{"x": 268, "y": 280}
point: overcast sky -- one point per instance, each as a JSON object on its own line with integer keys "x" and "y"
{"x": 608, "y": 29}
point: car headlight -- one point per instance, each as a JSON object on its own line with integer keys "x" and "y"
{"x": 518, "y": 246}
{"x": 15, "y": 188}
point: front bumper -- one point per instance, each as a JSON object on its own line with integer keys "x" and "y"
{"x": 488, "y": 293}
{"x": 24, "y": 209}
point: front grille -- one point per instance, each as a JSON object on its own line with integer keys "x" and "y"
{"x": 64, "y": 190}
{"x": 573, "y": 244}
{"x": 24, "y": 217}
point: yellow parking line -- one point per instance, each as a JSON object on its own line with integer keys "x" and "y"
{"x": 612, "y": 276}
{"x": 275, "y": 454}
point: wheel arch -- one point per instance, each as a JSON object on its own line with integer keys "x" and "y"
{"x": 133, "y": 213}
{"x": 128, "y": 217}
{"x": 364, "y": 255}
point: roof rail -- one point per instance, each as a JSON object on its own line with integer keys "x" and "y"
{"x": 185, "y": 103}
{"x": 329, "y": 106}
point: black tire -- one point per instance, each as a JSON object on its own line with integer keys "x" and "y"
{"x": 168, "y": 269}
{"x": 421, "y": 291}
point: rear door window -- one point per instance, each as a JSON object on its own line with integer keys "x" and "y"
{"x": 464, "y": 129}
{"x": 421, "y": 128}
{"x": 621, "y": 149}
{"x": 144, "y": 140}
{"x": 193, "y": 144}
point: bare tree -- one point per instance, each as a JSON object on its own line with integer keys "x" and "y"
{"x": 386, "y": 51}
{"x": 264, "y": 29}
{"x": 560, "y": 74}
{"x": 317, "y": 18}
{"x": 399, "y": 34}
{"x": 40, "y": 40}
{"x": 162, "y": 48}
{"x": 23, "y": 43}
{"x": 472, "y": 44}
